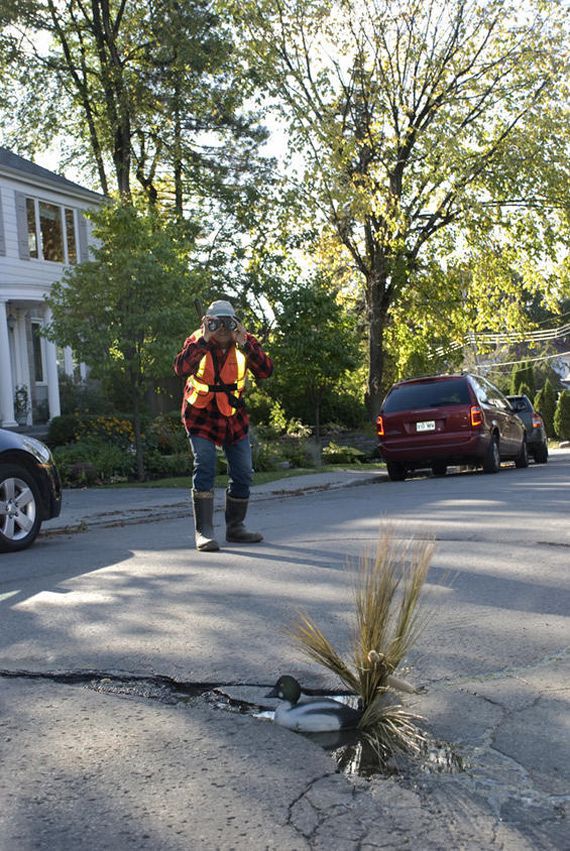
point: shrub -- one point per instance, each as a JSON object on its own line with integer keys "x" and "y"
{"x": 90, "y": 462}
{"x": 562, "y": 416}
{"x": 300, "y": 451}
{"x": 545, "y": 403}
{"x": 335, "y": 454}
{"x": 86, "y": 397}
{"x": 166, "y": 434}
{"x": 116, "y": 430}
{"x": 158, "y": 465}
{"x": 64, "y": 429}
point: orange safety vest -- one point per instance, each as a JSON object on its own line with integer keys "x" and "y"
{"x": 227, "y": 386}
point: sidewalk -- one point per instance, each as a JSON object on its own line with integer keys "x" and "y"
{"x": 84, "y": 508}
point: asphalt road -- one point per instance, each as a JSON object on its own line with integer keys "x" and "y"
{"x": 137, "y": 598}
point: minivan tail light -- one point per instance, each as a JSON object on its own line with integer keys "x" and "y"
{"x": 536, "y": 421}
{"x": 476, "y": 416}
{"x": 379, "y": 426}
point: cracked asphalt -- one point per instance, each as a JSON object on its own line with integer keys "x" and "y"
{"x": 114, "y": 588}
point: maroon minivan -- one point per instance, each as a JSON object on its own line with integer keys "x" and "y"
{"x": 448, "y": 419}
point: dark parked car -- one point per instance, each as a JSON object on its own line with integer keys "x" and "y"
{"x": 30, "y": 489}
{"x": 536, "y": 438}
{"x": 448, "y": 419}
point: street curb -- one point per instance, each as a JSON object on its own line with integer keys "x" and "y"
{"x": 110, "y": 519}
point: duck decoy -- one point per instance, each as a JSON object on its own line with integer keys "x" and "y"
{"x": 310, "y": 715}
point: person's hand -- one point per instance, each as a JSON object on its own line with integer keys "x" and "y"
{"x": 239, "y": 335}
{"x": 207, "y": 335}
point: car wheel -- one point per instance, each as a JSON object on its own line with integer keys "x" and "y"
{"x": 396, "y": 471}
{"x": 20, "y": 518}
{"x": 541, "y": 454}
{"x": 521, "y": 460}
{"x": 439, "y": 469}
{"x": 492, "y": 460}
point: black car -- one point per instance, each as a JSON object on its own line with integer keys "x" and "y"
{"x": 30, "y": 489}
{"x": 536, "y": 439}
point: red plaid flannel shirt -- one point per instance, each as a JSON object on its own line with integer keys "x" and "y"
{"x": 208, "y": 422}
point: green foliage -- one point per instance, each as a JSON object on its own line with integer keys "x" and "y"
{"x": 407, "y": 172}
{"x": 562, "y": 416}
{"x": 335, "y": 454}
{"x": 259, "y": 404}
{"x": 315, "y": 347}
{"x": 125, "y": 311}
{"x": 271, "y": 450}
{"x": 116, "y": 430}
{"x": 86, "y": 397}
{"x": 166, "y": 434}
{"x": 63, "y": 429}
{"x": 522, "y": 375}
{"x": 134, "y": 90}
{"x": 93, "y": 462}
{"x": 545, "y": 403}
{"x": 524, "y": 390}
{"x": 158, "y": 465}
{"x": 100, "y": 449}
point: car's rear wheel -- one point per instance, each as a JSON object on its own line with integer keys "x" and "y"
{"x": 396, "y": 471}
{"x": 439, "y": 469}
{"x": 20, "y": 518}
{"x": 541, "y": 454}
{"x": 521, "y": 460}
{"x": 492, "y": 460}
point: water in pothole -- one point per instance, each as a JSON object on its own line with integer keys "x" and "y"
{"x": 351, "y": 750}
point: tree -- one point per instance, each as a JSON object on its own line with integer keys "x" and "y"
{"x": 126, "y": 311}
{"x": 562, "y": 416}
{"x": 148, "y": 93}
{"x": 422, "y": 122}
{"x": 313, "y": 347}
{"x": 545, "y": 404}
{"x": 523, "y": 376}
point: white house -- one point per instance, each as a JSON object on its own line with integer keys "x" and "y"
{"x": 42, "y": 231}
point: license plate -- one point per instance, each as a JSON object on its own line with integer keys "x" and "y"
{"x": 426, "y": 425}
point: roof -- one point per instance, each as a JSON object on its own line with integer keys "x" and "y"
{"x": 26, "y": 168}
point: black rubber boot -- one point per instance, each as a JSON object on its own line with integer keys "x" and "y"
{"x": 236, "y": 509}
{"x": 203, "y": 504}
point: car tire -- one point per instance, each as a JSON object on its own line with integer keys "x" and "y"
{"x": 541, "y": 454}
{"x": 521, "y": 460}
{"x": 396, "y": 471}
{"x": 439, "y": 469}
{"x": 492, "y": 460}
{"x": 20, "y": 515}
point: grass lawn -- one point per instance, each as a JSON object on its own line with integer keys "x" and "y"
{"x": 258, "y": 478}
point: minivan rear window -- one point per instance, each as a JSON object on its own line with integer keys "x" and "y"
{"x": 429, "y": 394}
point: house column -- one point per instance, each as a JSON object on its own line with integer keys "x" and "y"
{"x": 52, "y": 375}
{"x": 6, "y": 387}
{"x": 68, "y": 361}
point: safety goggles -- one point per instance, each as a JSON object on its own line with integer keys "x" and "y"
{"x": 214, "y": 322}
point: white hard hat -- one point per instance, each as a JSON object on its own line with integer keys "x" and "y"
{"x": 220, "y": 308}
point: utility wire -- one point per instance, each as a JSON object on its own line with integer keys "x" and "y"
{"x": 505, "y": 337}
{"x": 525, "y": 360}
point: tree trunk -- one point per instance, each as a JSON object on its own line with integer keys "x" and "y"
{"x": 138, "y": 438}
{"x": 376, "y": 302}
{"x": 178, "y": 188}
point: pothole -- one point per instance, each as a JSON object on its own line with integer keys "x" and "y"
{"x": 353, "y": 754}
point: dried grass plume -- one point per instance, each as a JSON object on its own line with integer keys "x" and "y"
{"x": 388, "y": 587}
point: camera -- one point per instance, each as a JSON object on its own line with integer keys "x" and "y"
{"x": 214, "y": 322}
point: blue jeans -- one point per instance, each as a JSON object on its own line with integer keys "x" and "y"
{"x": 238, "y": 455}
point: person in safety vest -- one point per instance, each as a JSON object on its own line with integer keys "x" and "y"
{"x": 214, "y": 360}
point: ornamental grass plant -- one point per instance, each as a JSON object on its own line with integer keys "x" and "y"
{"x": 388, "y": 618}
